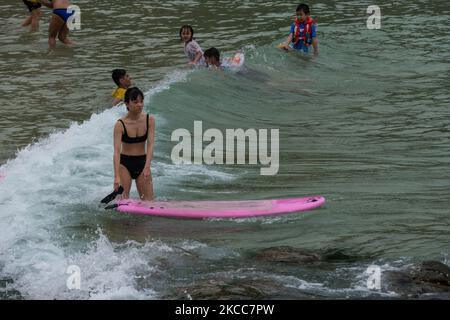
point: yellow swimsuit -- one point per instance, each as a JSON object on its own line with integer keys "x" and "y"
{"x": 119, "y": 93}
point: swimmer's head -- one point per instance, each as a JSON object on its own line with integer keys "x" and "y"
{"x": 133, "y": 96}
{"x": 186, "y": 33}
{"x": 121, "y": 78}
{"x": 302, "y": 12}
{"x": 212, "y": 56}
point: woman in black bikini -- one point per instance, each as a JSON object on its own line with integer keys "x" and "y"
{"x": 132, "y": 134}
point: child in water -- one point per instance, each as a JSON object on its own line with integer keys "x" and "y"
{"x": 303, "y": 32}
{"x": 123, "y": 81}
{"x": 191, "y": 48}
{"x": 212, "y": 58}
{"x": 34, "y": 7}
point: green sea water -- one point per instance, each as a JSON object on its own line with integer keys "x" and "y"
{"x": 365, "y": 124}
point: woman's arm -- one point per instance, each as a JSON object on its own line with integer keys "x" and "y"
{"x": 150, "y": 146}
{"x": 116, "y": 159}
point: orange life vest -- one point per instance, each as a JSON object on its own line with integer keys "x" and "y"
{"x": 307, "y": 32}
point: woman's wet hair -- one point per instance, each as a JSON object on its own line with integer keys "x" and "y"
{"x": 132, "y": 94}
{"x": 186, "y": 26}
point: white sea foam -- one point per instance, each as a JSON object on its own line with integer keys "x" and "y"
{"x": 49, "y": 181}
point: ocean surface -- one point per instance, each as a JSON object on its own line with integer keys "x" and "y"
{"x": 365, "y": 124}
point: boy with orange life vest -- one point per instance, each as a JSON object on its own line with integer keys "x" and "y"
{"x": 303, "y": 33}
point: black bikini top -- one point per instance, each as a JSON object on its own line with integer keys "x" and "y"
{"x": 127, "y": 139}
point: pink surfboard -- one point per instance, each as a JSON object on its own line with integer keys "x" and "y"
{"x": 219, "y": 209}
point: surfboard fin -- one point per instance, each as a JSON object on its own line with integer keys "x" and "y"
{"x": 112, "y": 196}
{"x": 113, "y": 206}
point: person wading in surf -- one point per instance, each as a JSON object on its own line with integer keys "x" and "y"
{"x": 303, "y": 32}
{"x": 134, "y": 138}
{"x": 58, "y": 23}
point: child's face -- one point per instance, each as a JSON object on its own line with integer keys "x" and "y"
{"x": 186, "y": 35}
{"x": 211, "y": 61}
{"x": 125, "y": 81}
{"x": 301, "y": 16}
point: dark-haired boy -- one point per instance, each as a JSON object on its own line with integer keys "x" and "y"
{"x": 212, "y": 58}
{"x": 123, "y": 81}
{"x": 303, "y": 32}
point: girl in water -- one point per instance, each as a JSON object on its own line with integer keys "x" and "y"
{"x": 134, "y": 138}
{"x": 191, "y": 47}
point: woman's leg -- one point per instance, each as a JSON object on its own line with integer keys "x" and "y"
{"x": 27, "y": 21}
{"x": 35, "y": 16}
{"x": 145, "y": 187}
{"x": 125, "y": 180}
{"x": 62, "y": 36}
{"x": 56, "y": 23}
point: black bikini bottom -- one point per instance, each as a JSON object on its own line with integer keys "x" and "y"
{"x": 32, "y": 5}
{"x": 134, "y": 164}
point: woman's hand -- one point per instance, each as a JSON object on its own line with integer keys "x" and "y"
{"x": 116, "y": 183}
{"x": 147, "y": 173}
